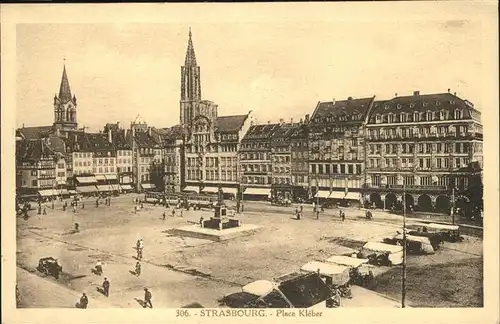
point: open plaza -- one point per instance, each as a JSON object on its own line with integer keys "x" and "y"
{"x": 180, "y": 270}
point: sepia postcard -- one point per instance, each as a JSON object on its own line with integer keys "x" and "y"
{"x": 301, "y": 162}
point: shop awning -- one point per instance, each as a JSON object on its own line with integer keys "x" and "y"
{"x": 337, "y": 195}
{"x": 210, "y": 190}
{"x": 353, "y": 196}
{"x": 257, "y": 191}
{"x": 62, "y": 191}
{"x": 322, "y": 194}
{"x": 72, "y": 192}
{"x": 233, "y": 191}
{"x": 191, "y": 188}
{"x": 126, "y": 179}
{"x": 148, "y": 186}
{"x": 102, "y": 177}
{"x": 103, "y": 188}
{"x": 47, "y": 192}
{"x": 126, "y": 187}
{"x": 85, "y": 180}
{"x": 86, "y": 189}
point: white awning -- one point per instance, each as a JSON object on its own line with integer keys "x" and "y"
{"x": 337, "y": 195}
{"x": 322, "y": 194}
{"x": 126, "y": 179}
{"x": 85, "y": 180}
{"x": 233, "y": 191}
{"x": 353, "y": 196}
{"x": 257, "y": 191}
{"x": 85, "y": 189}
{"x": 72, "y": 192}
{"x": 103, "y": 188}
{"x": 106, "y": 177}
{"x": 47, "y": 192}
{"x": 62, "y": 191}
{"x": 191, "y": 188}
{"x": 126, "y": 187}
{"x": 210, "y": 190}
{"x": 148, "y": 186}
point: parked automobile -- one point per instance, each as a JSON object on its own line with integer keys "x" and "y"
{"x": 382, "y": 254}
{"x": 359, "y": 272}
{"x": 49, "y": 266}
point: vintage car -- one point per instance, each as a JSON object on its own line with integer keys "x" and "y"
{"x": 382, "y": 254}
{"x": 414, "y": 244}
{"x": 359, "y": 272}
{"x": 49, "y": 266}
{"x": 335, "y": 276}
{"x": 449, "y": 233}
{"x": 201, "y": 201}
{"x": 295, "y": 290}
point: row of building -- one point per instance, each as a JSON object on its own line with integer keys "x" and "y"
{"x": 419, "y": 148}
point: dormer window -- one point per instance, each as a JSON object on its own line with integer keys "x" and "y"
{"x": 377, "y": 119}
{"x": 438, "y": 103}
{"x": 452, "y": 102}
{"x": 399, "y": 106}
{"x": 402, "y": 117}
{"x": 429, "y": 115}
{"x": 385, "y": 119}
{"x": 424, "y": 104}
{"x": 458, "y": 114}
{"x": 416, "y": 116}
{"x": 412, "y": 105}
{"x": 386, "y": 107}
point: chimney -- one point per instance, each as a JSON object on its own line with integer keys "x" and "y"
{"x": 449, "y": 90}
{"x": 23, "y": 125}
{"x": 291, "y": 120}
{"x": 333, "y": 101}
{"x": 118, "y": 124}
{"x": 281, "y": 121}
{"x": 454, "y": 93}
{"x": 416, "y": 93}
{"x": 268, "y": 122}
{"x": 350, "y": 98}
{"x": 396, "y": 94}
{"x": 307, "y": 118}
{"x": 110, "y": 136}
{"x": 301, "y": 121}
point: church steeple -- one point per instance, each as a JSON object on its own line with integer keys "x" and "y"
{"x": 64, "y": 90}
{"x": 190, "y": 55}
{"x": 190, "y": 84}
{"x": 65, "y": 105}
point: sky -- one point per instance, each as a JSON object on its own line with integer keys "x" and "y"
{"x": 277, "y": 69}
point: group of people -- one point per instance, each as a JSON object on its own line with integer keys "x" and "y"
{"x": 98, "y": 270}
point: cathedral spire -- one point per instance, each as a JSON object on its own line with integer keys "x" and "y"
{"x": 64, "y": 90}
{"x": 190, "y": 56}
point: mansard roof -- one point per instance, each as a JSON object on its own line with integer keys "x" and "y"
{"x": 425, "y": 103}
{"x": 144, "y": 140}
{"x": 261, "y": 132}
{"x": 342, "y": 110}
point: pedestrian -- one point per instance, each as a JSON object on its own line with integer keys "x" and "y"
{"x": 83, "y": 205}
{"x": 77, "y": 228}
{"x": 39, "y": 210}
{"x": 301, "y": 208}
{"x": 105, "y": 287}
{"x": 98, "y": 268}
{"x": 201, "y": 221}
{"x": 181, "y": 213}
{"x": 84, "y": 301}
{"x": 317, "y": 213}
{"x": 242, "y": 207}
{"x": 44, "y": 211}
{"x": 342, "y": 215}
{"x": 173, "y": 212}
{"x": 64, "y": 207}
{"x": 147, "y": 298}
{"x": 137, "y": 269}
{"x": 97, "y": 203}
{"x": 296, "y": 212}
{"x": 164, "y": 215}
{"x": 142, "y": 205}
{"x": 322, "y": 208}
{"x": 314, "y": 206}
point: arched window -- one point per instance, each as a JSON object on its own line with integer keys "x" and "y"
{"x": 416, "y": 116}
{"x": 429, "y": 115}
{"x": 390, "y": 118}
{"x": 377, "y": 119}
{"x": 402, "y": 117}
{"x": 458, "y": 114}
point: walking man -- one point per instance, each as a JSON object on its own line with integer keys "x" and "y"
{"x": 173, "y": 212}
{"x": 164, "y": 215}
{"x": 84, "y": 301}
{"x": 181, "y": 213}
{"x": 105, "y": 287}
{"x": 44, "y": 211}
{"x": 342, "y": 215}
{"x": 137, "y": 269}
{"x": 317, "y": 213}
{"x": 147, "y": 298}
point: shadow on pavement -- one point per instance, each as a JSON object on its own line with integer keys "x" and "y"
{"x": 140, "y": 302}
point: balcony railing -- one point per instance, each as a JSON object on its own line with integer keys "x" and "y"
{"x": 410, "y": 187}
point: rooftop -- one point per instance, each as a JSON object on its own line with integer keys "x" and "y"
{"x": 342, "y": 110}
{"x": 227, "y": 124}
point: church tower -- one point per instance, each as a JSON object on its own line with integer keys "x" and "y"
{"x": 190, "y": 85}
{"x": 65, "y": 106}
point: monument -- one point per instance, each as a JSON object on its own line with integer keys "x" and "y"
{"x": 219, "y": 227}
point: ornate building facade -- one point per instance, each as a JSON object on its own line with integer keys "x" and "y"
{"x": 423, "y": 143}
{"x": 337, "y": 150}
